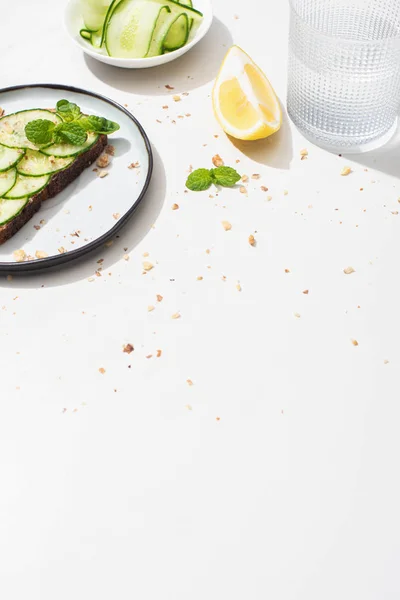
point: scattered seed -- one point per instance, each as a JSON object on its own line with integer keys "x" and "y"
{"x": 103, "y": 174}
{"x": 62, "y": 250}
{"x": 346, "y": 171}
{"x": 245, "y": 178}
{"x": 238, "y": 287}
{"x": 102, "y": 371}
{"x": 151, "y": 308}
{"x": 128, "y": 349}
{"x": 147, "y": 266}
{"x": 126, "y": 257}
{"x": 305, "y": 292}
{"x": 159, "y": 298}
{"x": 134, "y": 165}
{"x": 159, "y": 352}
{"x": 252, "y": 240}
{"x": 349, "y": 270}
{"x": 226, "y": 225}
{"x": 264, "y": 189}
{"x": 169, "y": 87}
{"x": 116, "y": 216}
{"x": 297, "y": 315}
{"x": 385, "y": 362}
{"x": 176, "y": 316}
{"x": 217, "y": 161}
{"x": 19, "y": 255}
{"x": 354, "y": 342}
{"x": 199, "y": 278}
{"x": 175, "y": 206}
{"x": 287, "y": 270}
{"x": 176, "y": 98}
{"x": 109, "y": 244}
{"x": 41, "y": 254}
{"x": 243, "y": 189}
{"x": 189, "y": 382}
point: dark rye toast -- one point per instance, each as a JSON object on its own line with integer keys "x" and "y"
{"x": 58, "y": 182}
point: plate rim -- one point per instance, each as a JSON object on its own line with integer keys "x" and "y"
{"x": 51, "y": 261}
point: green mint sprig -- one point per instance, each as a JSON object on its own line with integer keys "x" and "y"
{"x": 202, "y": 179}
{"x": 73, "y": 130}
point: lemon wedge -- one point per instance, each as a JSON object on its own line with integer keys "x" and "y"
{"x": 244, "y": 101}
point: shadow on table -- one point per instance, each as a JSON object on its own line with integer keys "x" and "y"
{"x": 275, "y": 151}
{"x": 129, "y": 237}
{"x": 385, "y": 159}
{"x": 194, "y": 69}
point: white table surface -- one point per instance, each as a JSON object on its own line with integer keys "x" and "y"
{"x": 275, "y": 476}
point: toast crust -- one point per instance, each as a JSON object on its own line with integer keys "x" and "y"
{"x": 58, "y": 182}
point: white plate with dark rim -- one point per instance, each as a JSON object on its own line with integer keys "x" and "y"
{"x": 91, "y": 210}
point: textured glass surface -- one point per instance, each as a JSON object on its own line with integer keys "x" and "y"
{"x": 344, "y": 71}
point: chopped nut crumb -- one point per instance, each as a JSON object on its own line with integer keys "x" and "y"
{"x": 9, "y": 277}
{"x": 150, "y": 308}
{"x": 269, "y": 198}
{"x": 354, "y": 342}
{"x": 145, "y": 254}
{"x": 62, "y": 250}
{"x": 1, "y": 111}
{"x": 159, "y": 352}
{"x": 285, "y": 192}
{"x": 116, "y": 216}
{"x": 102, "y": 371}
{"x": 176, "y": 316}
{"x": 263, "y": 188}
{"x": 189, "y": 382}
{"x": 303, "y": 153}
{"x": 90, "y": 207}
{"x": 41, "y": 254}
{"x": 385, "y": 362}
{"x": 346, "y": 171}
{"x": 349, "y": 270}
{"x": 238, "y": 287}
{"x": 243, "y": 189}
{"x": 19, "y": 255}
{"x": 287, "y": 270}
{"x": 128, "y": 349}
{"x": 91, "y": 279}
{"x": 165, "y": 107}
{"x": 217, "y": 161}
{"x": 188, "y": 406}
{"x": 226, "y": 225}
{"x": 110, "y": 150}
{"x": 103, "y": 174}
{"x": 159, "y": 298}
{"x": 126, "y": 257}
{"x": 176, "y": 98}
{"x": 199, "y": 278}
{"x": 252, "y": 240}
{"x": 297, "y": 315}
{"x": 37, "y": 227}
{"x": 149, "y": 356}
{"x": 169, "y": 87}
{"x": 306, "y": 292}
{"x": 395, "y": 212}
{"x": 245, "y": 178}
{"x": 148, "y": 266}
{"x": 103, "y": 161}
{"x": 256, "y": 176}
{"x": 108, "y": 244}
{"x": 134, "y": 165}
{"x": 175, "y": 206}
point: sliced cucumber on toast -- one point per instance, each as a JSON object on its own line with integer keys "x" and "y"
{"x": 7, "y": 181}
{"x": 9, "y": 209}
{"x": 26, "y": 186}
{"x": 67, "y": 150}
{"x": 9, "y": 157}
{"x": 35, "y": 164}
{"x": 12, "y": 127}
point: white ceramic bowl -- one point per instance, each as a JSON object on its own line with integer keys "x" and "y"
{"x": 74, "y": 23}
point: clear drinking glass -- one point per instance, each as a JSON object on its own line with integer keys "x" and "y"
{"x": 344, "y": 71}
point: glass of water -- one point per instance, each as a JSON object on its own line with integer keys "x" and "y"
{"x": 344, "y": 72}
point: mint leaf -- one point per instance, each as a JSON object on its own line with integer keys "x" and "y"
{"x": 68, "y": 111}
{"x": 225, "y": 176}
{"x": 70, "y": 133}
{"x": 199, "y": 180}
{"x": 40, "y": 131}
{"x": 98, "y": 124}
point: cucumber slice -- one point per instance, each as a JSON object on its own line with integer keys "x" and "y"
{"x": 12, "y": 127}
{"x": 9, "y": 157}
{"x": 67, "y": 150}
{"x": 163, "y": 25}
{"x": 180, "y": 8}
{"x": 95, "y": 38}
{"x": 177, "y": 35}
{"x": 35, "y": 164}
{"x": 130, "y": 30}
{"x": 9, "y": 209}
{"x": 109, "y": 14}
{"x": 26, "y": 186}
{"x": 94, "y": 12}
{"x": 86, "y": 34}
{"x": 7, "y": 181}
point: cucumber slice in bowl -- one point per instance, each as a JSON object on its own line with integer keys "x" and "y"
{"x": 12, "y": 127}
{"x": 131, "y": 27}
{"x": 35, "y": 164}
{"x": 7, "y": 181}
{"x": 26, "y": 186}
{"x": 177, "y": 35}
{"x": 9, "y": 157}
{"x": 9, "y": 209}
{"x": 67, "y": 150}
